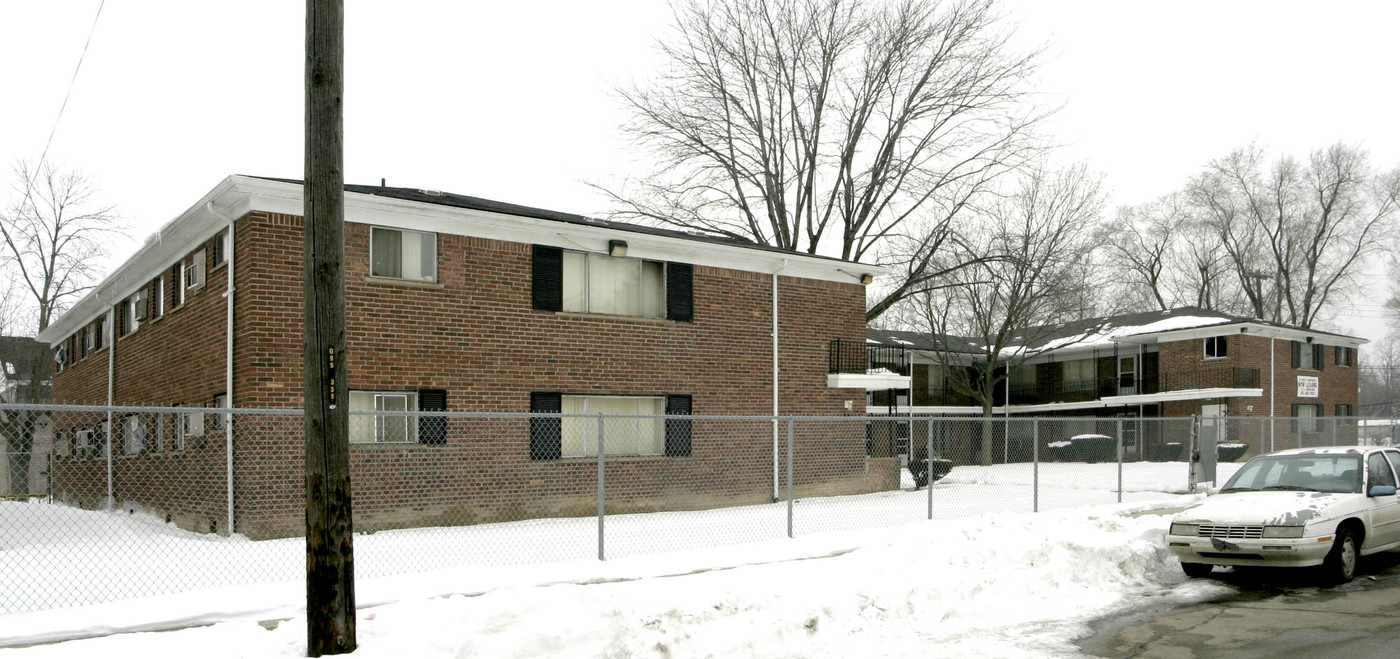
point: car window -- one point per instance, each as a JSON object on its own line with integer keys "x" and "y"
{"x": 1306, "y": 472}
{"x": 1381, "y": 473}
{"x": 1394, "y": 458}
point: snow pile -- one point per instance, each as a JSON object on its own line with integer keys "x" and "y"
{"x": 986, "y": 586}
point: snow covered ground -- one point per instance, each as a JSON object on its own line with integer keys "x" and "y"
{"x": 987, "y": 577}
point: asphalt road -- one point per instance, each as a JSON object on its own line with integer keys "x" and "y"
{"x": 1274, "y": 614}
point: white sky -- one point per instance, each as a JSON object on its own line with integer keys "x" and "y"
{"x": 511, "y": 101}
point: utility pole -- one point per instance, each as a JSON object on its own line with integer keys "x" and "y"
{"x": 330, "y": 565}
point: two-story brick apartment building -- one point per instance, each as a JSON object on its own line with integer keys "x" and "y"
{"x": 1159, "y": 364}
{"x": 465, "y": 305}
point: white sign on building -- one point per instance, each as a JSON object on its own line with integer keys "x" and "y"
{"x": 1307, "y": 386}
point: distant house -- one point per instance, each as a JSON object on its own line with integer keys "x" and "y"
{"x": 454, "y": 303}
{"x": 26, "y": 437}
{"x": 1175, "y": 363}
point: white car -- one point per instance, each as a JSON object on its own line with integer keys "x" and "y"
{"x": 1295, "y": 508}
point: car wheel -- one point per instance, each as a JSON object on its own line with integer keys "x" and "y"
{"x": 1196, "y": 570}
{"x": 1340, "y": 564}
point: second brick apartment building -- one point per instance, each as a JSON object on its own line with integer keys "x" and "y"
{"x": 466, "y": 305}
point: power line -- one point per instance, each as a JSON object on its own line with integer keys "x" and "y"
{"x": 92, "y": 30}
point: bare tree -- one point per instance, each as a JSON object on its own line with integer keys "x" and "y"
{"x": 1380, "y": 377}
{"x": 1296, "y": 233}
{"x": 858, "y": 129}
{"x": 989, "y": 318}
{"x": 53, "y": 233}
{"x": 1140, "y": 244}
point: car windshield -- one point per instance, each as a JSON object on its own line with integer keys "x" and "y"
{"x": 1311, "y": 472}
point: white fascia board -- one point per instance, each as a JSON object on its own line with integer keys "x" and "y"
{"x": 1184, "y": 394}
{"x": 281, "y": 197}
{"x": 176, "y": 239}
{"x": 867, "y": 382}
{"x": 1248, "y": 329}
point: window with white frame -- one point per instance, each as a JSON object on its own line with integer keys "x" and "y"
{"x": 383, "y": 427}
{"x": 1215, "y": 347}
{"x": 621, "y": 436}
{"x": 177, "y": 280}
{"x": 191, "y": 425}
{"x": 157, "y": 297}
{"x": 217, "y": 419}
{"x": 194, "y": 272}
{"x": 403, "y": 254}
{"x": 598, "y": 283}
{"x": 133, "y": 434}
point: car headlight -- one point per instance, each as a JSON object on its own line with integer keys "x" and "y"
{"x": 1185, "y": 529}
{"x": 1283, "y": 531}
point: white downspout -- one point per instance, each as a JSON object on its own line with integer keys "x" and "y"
{"x": 1273, "y": 384}
{"x": 228, "y": 361}
{"x": 775, "y": 378}
{"x": 111, "y": 334}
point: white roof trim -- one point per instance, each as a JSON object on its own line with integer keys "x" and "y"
{"x": 236, "y": 196}
{"x": 1247, "y": 328}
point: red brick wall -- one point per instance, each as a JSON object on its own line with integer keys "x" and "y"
{"x": 475, "y": 335}
{"x": 1336, "y": 384}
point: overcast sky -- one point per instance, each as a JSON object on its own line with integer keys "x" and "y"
{"x": 511, "y": 100}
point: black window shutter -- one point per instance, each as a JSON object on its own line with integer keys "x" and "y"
{"x": 432, "y": 429}
{"x": 153, "y": 306}
{"x": 1318, "y": 353}
{"x": 1222, "y": 347}
{"x": 547, "y": 282}
{"x": 546, "y": 437}
{"x": 678, "y": 430}
{"x": 172, "y": 291}
{"x": 121, "y": 317}
{"x": 1297, "y": 354}
{"x": 680, "y": 292}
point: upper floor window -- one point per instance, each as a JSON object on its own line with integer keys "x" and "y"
{"x": 403, "y": 254}
{"x": 1307, "y": 355}
{"x": 1080, "y": 371}
{"x": 1216, "y": 347}
{"x": 219, "y": 249}
{"x": 598, "y": 283}
{"x": 194, "y": 272}
{"x": 1345, "y": 356}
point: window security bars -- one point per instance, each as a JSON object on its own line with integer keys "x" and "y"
{"x": 154, "y": 497}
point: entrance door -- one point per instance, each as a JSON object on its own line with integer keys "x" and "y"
{"x": 1127, "y": 376}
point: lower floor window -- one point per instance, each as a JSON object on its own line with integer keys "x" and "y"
{"x": 1307, "y": 415}
{"x": 621, "y": 436}
{"x": 383, "y": 427}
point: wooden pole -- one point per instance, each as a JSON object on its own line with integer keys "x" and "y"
{"x": 330, "y": 566}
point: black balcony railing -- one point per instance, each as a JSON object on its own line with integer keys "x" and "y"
{"x": 1213, "y": 378}
{"x": 864, "y": 358}
{"x": 1074, "y": 391}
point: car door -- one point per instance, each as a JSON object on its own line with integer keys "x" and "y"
{"x": 1385, "y": 510}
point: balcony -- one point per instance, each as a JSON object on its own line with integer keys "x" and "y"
{"x": 869, "y": 366}
{"x": 1079, "y": 391}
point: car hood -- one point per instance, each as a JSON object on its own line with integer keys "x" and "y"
{"x": 1277, "y": 508}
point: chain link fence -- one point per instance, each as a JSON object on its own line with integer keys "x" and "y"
{"x": 115, "y": 503}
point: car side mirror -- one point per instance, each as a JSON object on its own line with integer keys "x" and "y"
{"x": 1381, "y": 491}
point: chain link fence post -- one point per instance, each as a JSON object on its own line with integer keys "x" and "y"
{"x": 1035, "y": 465}
{"x": 928, "y": 467}
{"x": 601, "y": 497}
{"x": 1120, "y": 460}
{"x": 789, "y": 478}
